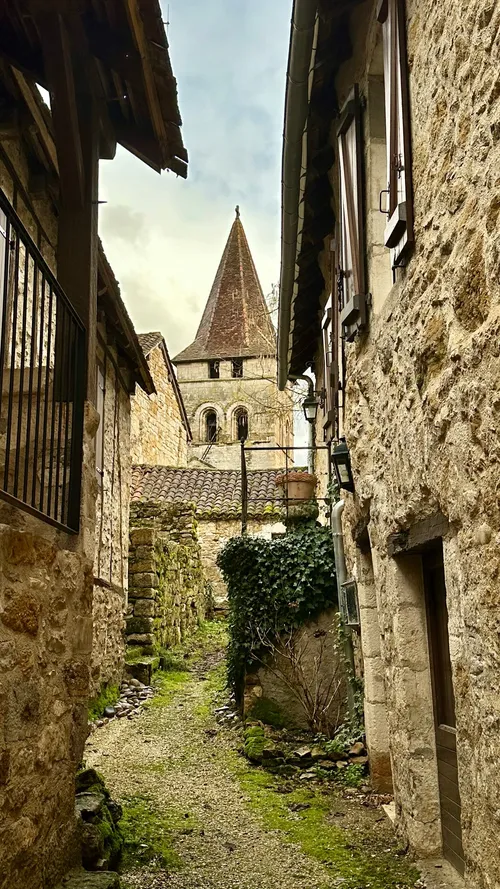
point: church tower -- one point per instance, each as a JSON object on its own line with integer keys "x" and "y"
{"x": 227, "y": 376}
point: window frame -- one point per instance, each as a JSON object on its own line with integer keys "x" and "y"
{"x": 207, "y": 414}
{"x": 399, "y": 232}
{"x": 239, "y": 363}
{"x": 214, "y": 369}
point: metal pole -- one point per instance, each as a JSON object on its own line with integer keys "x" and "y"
{"x": 244, "y": 490}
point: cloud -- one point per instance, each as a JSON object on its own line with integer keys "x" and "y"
{"x": 123, "y": 223}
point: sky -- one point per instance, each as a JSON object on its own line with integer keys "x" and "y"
{"x": 163, "y": 235}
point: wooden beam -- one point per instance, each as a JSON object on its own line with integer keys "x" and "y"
{"x": 33, "y": 103}
{"x": 148, "y": 76}
{"x": 59, "y": 68}
{"x": 77, "y": 249}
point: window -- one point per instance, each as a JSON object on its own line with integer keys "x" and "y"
{"x": 99, "y": 440}
{"x": 211, "y": 426}
{"x": 399, "y": 229}
{"x": 236, "y": 367}
{"x": 214, "y": 370}
{"x": 241, "y": 419}
{"x": 351, "y": 230}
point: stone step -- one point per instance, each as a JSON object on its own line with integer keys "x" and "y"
{"x": 143, "y": 669}
{"x": 82, "y": 879}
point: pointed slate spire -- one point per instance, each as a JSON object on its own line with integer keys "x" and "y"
{"x": 236, "y": 322}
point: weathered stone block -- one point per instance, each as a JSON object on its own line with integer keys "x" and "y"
{"x": 144, "y": 608}
{"x": 140, "y": 639}
{"x": 138, "y": 581}
{"x": 139, "y": 625}
{"x": 141, "y": 536}
{"x": 141, "y": 566}
{"x": 142, "y": 593}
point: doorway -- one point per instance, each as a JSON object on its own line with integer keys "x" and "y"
{"x": 444, "y": 704}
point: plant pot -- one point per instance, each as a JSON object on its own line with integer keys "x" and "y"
{"x": 297, "y": 486}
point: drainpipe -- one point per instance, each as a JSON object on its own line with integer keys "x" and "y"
{"x": 311, "y": 444}
{"x": 341, "y": 573}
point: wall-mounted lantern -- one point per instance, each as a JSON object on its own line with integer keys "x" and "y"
{"x": 310, "y": 407}
{"x": 348, "y": 604}
{"x": 342, "y": 464}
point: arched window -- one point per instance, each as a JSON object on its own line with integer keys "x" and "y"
{"x": 211, "y": 426}
{"x": 241, "y": 421}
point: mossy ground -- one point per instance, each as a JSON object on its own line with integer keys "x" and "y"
{"x": 241, "y": 825}
{"x": 149, "y": 834}
{"x": 356, "y": 844}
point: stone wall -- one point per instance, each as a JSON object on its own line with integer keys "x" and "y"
{"x": 45, "y": 644}
{"x": 422, "y": 419}
{"x": 317, "y": 666}
{"x": 167, "y": 593}
{"x": 111, "y": 551}
{"x": 158, "y": 435}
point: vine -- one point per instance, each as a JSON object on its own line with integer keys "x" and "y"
{"x": 274, "y": 586}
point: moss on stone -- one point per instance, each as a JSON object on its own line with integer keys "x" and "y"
{"x": 268, "y": 711}
{"x": 107, "y": 697}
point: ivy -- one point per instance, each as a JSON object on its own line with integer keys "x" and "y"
{"x": 274, "y": 586}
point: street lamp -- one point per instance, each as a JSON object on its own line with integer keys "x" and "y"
{"x": 342, "y": 464}
{"x": 310, "y": 408}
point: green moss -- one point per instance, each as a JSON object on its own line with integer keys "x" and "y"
{"x": 214, "y": 685}
{"x": 268, "y": 711}
{"x": 360, "y": 858}
{"x": 254, "y": 743}
{"x": 149, "y": 835}
{"x": 167, "y": 685}
{"x": 107, "y": 697}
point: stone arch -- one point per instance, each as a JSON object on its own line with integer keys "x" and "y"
{"x": 201, "y": 417}
{"x": 236, "y": 418}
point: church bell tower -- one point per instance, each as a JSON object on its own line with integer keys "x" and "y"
{"x": 227, "y": 376}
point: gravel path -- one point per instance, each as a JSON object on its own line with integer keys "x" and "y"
{"x": 177, "y": 756}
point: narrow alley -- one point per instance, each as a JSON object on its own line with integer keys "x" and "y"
{"x": 198, "y": 814}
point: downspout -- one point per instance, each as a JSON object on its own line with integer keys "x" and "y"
{"x": 294, "y": 164}
{"x": 311, "y": 432}
{"x": 341, "y": 573}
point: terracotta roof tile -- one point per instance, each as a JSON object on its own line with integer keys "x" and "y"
{"x": 214, "y": 491}
{"x": 236, "y": 320}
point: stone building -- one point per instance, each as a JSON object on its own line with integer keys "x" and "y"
{"x": 390, "y": 290}
{"x": 48, "y": 383}
{"x": 160, "y": 428}
{"x": 227, "y": 376}
{"x": 216, "y": 497}
{"x": 122, "y": 369}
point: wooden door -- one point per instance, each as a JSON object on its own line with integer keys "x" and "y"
{"x": 444, "y": 706}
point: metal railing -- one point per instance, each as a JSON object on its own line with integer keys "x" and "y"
{"x": 42, "y": 380}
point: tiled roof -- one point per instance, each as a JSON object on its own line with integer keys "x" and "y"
{"x": 236, "y": 320}
{"x": 149, "y": 340}
{"x": 216, "y": 492}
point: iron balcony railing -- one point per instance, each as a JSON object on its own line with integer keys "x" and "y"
{"x": 42, "y": 379}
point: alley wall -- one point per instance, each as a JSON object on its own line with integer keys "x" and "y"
{"x": 422, "y": 418}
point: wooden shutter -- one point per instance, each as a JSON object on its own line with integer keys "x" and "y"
{"x": 351, "y": 228}
{"x": 399, "y": 230}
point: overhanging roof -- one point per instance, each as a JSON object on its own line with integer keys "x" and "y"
{"x": 306, "y": 188}
{"x": 125, "y": 63}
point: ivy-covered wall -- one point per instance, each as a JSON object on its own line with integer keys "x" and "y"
{"x": 166, "y": 578}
